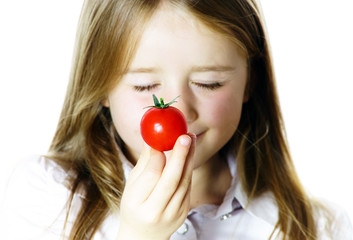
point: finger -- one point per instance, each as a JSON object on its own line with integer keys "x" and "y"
{"x": 172, "y": 173}
{"x": 181, "y": 194}
{"x": 141, "y": 163}
{"x": 145, "y": 182}
{"x": 183, "y": 204}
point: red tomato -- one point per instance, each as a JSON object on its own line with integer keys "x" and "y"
{"x": 161, "y": 125}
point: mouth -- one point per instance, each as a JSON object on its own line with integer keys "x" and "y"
{"x": 199, "y": 135}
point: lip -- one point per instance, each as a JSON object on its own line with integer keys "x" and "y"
{"x": 199, "y": 135}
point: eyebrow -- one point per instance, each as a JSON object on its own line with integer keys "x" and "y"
{"x": 211, "y": 68}
{"x": 142, "y": 70}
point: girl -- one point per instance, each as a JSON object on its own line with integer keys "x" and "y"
{"x": 231, "y": 177}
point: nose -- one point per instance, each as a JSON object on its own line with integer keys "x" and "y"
{"x": 186, "y": 104}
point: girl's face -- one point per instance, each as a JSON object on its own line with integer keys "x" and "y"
{"x": 178, "y": 55}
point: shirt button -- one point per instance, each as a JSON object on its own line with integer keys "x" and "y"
{"x": 226, "y": 216}
{"x": 183, "y": 229}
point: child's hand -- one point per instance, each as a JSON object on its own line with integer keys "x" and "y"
{"x": 156, "y": 199}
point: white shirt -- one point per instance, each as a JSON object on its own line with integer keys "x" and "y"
{"x": 34, "y": 208}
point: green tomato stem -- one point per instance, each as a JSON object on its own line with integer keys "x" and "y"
{"x": 161, "y": 104}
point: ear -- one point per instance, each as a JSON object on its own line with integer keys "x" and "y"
{"x": 105, "y": 102}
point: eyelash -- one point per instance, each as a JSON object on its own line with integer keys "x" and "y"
{"x": 145, "y": 88}
{"x": 208, "y": 86}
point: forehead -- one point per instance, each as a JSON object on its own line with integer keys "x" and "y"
{"x": 172, "y": 28}
{"x": 178, "y": 21}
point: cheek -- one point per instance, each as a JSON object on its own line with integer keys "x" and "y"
{"x": 126, "y": 121}
{"x": 126, "y": 117}
{"x": 126, "y": 125}
{"x": 224, "y": 110}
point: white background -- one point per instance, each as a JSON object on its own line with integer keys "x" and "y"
{"x": 312, "y": 46}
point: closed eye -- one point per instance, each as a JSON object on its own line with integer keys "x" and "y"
{"x": 208, "y": 86}
{"x": 144, "y": 88}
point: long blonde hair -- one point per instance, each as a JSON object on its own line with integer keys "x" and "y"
{"x": 85, "y": 141}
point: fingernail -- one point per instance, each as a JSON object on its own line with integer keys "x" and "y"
{"x": 185, "y": 141}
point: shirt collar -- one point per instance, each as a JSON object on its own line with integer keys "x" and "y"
{"x": 263, "y": 206}
{"x": 230, "y": 202}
